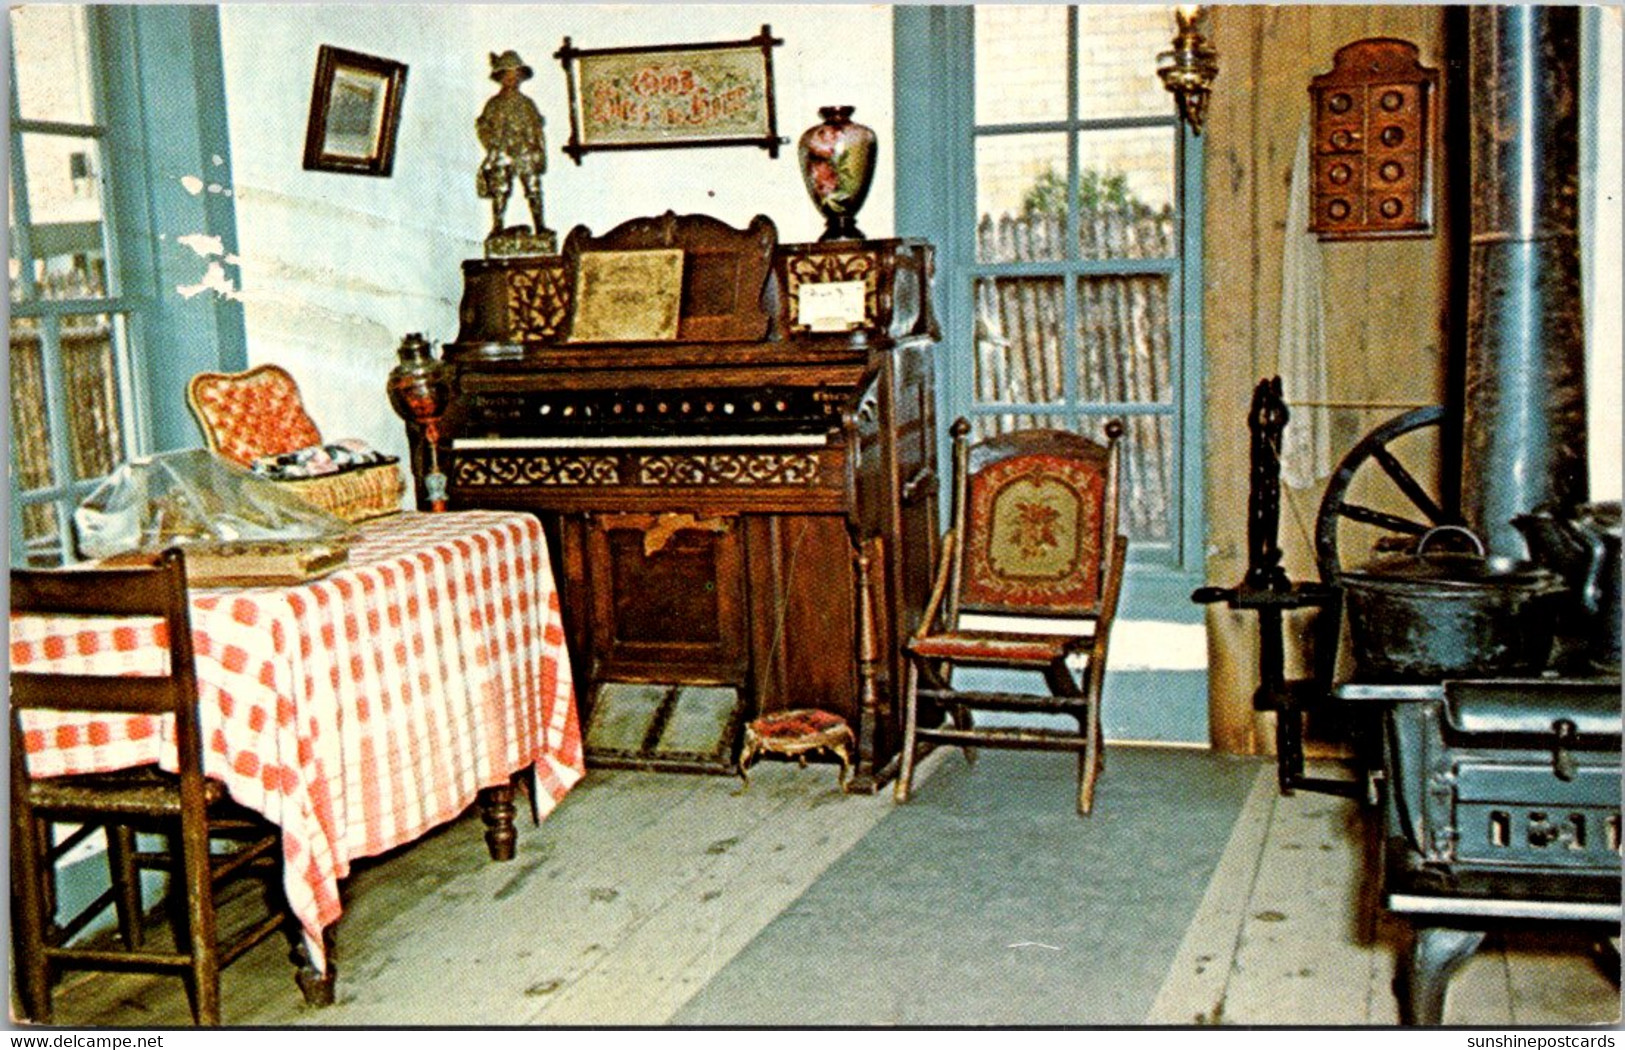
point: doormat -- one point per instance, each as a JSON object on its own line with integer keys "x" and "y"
{"x": 652, "y": 725}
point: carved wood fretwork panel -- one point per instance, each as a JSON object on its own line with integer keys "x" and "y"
{"x": 721, "y": 469}
{"x": 538, "y": 301}
{"x": 492, "y": 471}
{"x": 729, "y": 469}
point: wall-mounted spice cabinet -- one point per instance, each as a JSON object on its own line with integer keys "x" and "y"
{"x": 1373, "y": 143}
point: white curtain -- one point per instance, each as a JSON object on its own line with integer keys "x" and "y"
{"x": 1306, "y": 452}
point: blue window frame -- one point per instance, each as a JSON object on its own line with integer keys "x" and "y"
{"x": 109, "y": 107}
{"x": 1041, "y": 154}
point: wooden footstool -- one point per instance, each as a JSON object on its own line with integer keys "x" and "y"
{"x": 798, "y": 733}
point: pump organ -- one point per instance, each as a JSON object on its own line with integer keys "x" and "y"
{"x": 745, "y": 509}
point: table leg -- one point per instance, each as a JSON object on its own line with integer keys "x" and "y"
{"x": 497, "y": 810}
{"x": 316, "y": 985}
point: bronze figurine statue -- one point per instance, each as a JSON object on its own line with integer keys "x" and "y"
{"x": 510, "y": 130}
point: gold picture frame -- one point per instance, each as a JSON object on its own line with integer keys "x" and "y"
{"x": 662, "y": 96}
{"x": 628, "y": 296}
{"x": 355, "y": 112}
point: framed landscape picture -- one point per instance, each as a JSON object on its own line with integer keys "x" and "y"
{"x": 674, "y": 95}
{"x": 355, "y": 109}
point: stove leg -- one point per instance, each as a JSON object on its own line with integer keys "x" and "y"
{"x": 1435, "y": 954}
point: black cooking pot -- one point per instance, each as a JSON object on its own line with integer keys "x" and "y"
{"x": 1429, "y": 616}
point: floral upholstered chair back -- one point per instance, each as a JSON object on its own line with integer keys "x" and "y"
{"x": 1036, "y": 516}
{"x": 245, "y": 415}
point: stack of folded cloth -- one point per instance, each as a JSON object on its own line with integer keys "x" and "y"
{"x": 348, "y": 478}
{"x": 318, "y": 460}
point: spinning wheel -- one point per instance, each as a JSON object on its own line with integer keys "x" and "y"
{"x": 1372, "y": 500}
{"x": 1374, "y": 472}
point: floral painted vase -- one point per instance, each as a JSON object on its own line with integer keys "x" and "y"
{"x": 837, "y": 164}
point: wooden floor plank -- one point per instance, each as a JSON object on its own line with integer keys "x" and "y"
{"x": 1195, "y": 988}
{"x": 672, "y": 953}
{"x": 1558, "y": 978}
{"x": 1300, "y": 958}
{"x": 557, "y": 917}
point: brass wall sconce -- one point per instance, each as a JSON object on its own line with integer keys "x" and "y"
{"x": 1188, "y": 70}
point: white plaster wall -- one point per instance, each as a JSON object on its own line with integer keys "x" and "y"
{"x": 334, "y": 269}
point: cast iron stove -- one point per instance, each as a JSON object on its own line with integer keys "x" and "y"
{"x": 1502, "y": 802}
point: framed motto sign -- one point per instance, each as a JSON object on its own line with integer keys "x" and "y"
{"x": 662, "y": 96}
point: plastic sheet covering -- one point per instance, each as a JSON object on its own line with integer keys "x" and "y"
{"x": 193, "y": 498}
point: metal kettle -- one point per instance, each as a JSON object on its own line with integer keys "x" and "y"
{"x": 1583, "y": 546}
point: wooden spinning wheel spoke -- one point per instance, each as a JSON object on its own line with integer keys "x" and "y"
{"x": 1382, "y": 519}
{"x": 1374, "y": 448}
{"x": 1408, "y": 485}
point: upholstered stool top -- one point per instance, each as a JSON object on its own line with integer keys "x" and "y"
{"x": 797, "y": 733}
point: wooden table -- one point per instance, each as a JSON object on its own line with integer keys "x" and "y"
{"x": 357, "y": 711}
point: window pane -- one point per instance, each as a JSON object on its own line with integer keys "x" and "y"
{"x": 1019, "y": 351}
{"x": 91, "y": 376}
{"x": 52, "y": 52}
{"x": 1020, "y": 197}
{"x": 1147, "y": 478}
{"x": 1124, "y": 339}
{"x": 92, "y": 429}
{"x": 1020, "y": 63}
{"x": 1117, "y": 61}
{"x": 14, "y": 265}
{"x": 65, "y": 205}
{"x": 30, "y": 428}
{"x": 1126, "y": 194}
{"x": 43, "y": 539}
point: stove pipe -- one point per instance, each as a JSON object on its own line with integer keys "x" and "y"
{"x": 1524, "y": 427}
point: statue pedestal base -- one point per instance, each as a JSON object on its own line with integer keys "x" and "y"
{"x": 513, "y": 241}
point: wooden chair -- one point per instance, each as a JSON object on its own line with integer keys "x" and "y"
{"x": 190, "y": 809}
{"x": 1033, "y": 535}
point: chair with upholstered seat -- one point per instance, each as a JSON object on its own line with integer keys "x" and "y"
{"x": 189, "y": 809}
{"x": 245, "y": 415}
{"x": 1033, "y": 538}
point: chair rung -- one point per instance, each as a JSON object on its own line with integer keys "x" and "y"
{"x": 249, "y": 938}
{"x": 61, "y": 849}
{"x": 1032, "y": 739}
{"x": 1065, "y": 705}
{"x": 114, "y": 959}
{"x": 223, "y": 864}
{"x": 228, "y": 863}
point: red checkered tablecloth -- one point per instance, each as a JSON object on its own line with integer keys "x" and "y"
{"x": 356, "y": 711}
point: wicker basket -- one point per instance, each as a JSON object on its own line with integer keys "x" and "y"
{"x": 354, "y": 495}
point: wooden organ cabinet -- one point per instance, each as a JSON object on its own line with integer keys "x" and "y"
{"x": 731, "y": 443}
